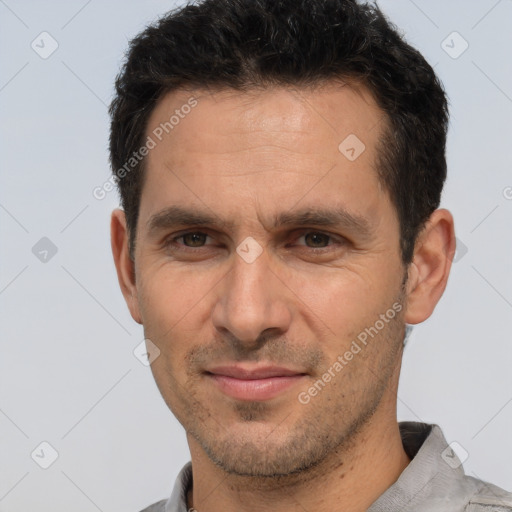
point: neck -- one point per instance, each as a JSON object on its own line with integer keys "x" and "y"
{"x": 351, "y": 478}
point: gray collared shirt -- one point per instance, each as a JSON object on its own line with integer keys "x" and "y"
{"x": 434, "y": 481}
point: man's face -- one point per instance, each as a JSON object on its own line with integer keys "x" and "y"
{"x": 299, "y": 257}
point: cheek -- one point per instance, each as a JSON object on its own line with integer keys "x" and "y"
{"x": 336, "y": 298}
{"x": 171, "y": 300}
{"x": 344, "y": 303}
{"x": 174, "y": 306}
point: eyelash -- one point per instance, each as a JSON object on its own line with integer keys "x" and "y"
{"x": 333, "y": 240}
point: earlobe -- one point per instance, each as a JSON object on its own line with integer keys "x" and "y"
{"x": 430, "y": 268}
{"x": 125, "y": 266}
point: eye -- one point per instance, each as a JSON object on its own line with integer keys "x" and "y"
{"x": 187, "y": 240}
{"x": 193, "y": 239}
{"x": 316, "y": 240}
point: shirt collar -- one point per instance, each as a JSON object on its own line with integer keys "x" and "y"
{"x": 433, "y": 478}
{"x": 177, "y": 502}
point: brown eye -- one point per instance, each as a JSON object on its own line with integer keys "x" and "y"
{"x": 194, "y": 239}
{"x": 316, "y": 240}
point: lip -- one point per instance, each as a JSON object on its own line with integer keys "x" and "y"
{"x": 254, "y": 384}
{"x": 258, "y": 372}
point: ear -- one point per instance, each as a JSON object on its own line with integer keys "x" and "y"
{"x": 125, "y": 266}
{"x": 428, "y": 272}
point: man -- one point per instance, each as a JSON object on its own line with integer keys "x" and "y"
{"x": 280, "y": 165}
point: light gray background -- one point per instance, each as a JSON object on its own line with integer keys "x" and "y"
{"x": 67, "y": 369}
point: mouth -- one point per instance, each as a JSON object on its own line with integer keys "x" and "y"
{"x": 254, "y": 384}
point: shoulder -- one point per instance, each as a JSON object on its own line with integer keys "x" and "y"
{"x": 489, "y": 498}
{"x": 156, "y": 507}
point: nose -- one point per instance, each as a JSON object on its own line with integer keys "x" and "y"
{"x": 252, "y": 300}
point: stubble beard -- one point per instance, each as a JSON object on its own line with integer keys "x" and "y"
{"x": 321, "y": 438}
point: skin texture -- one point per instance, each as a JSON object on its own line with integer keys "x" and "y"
{"x": 245, "y": 158}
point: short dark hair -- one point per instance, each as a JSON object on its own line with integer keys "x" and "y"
{"x": 243, "y": 44}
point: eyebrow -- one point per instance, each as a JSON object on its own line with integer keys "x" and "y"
{"x": 325, "y": 217}
{"x": 175, "y": 216}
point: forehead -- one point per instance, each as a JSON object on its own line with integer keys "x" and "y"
{"x": 271, "y": 147}
{"x": 237, "y": 119}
